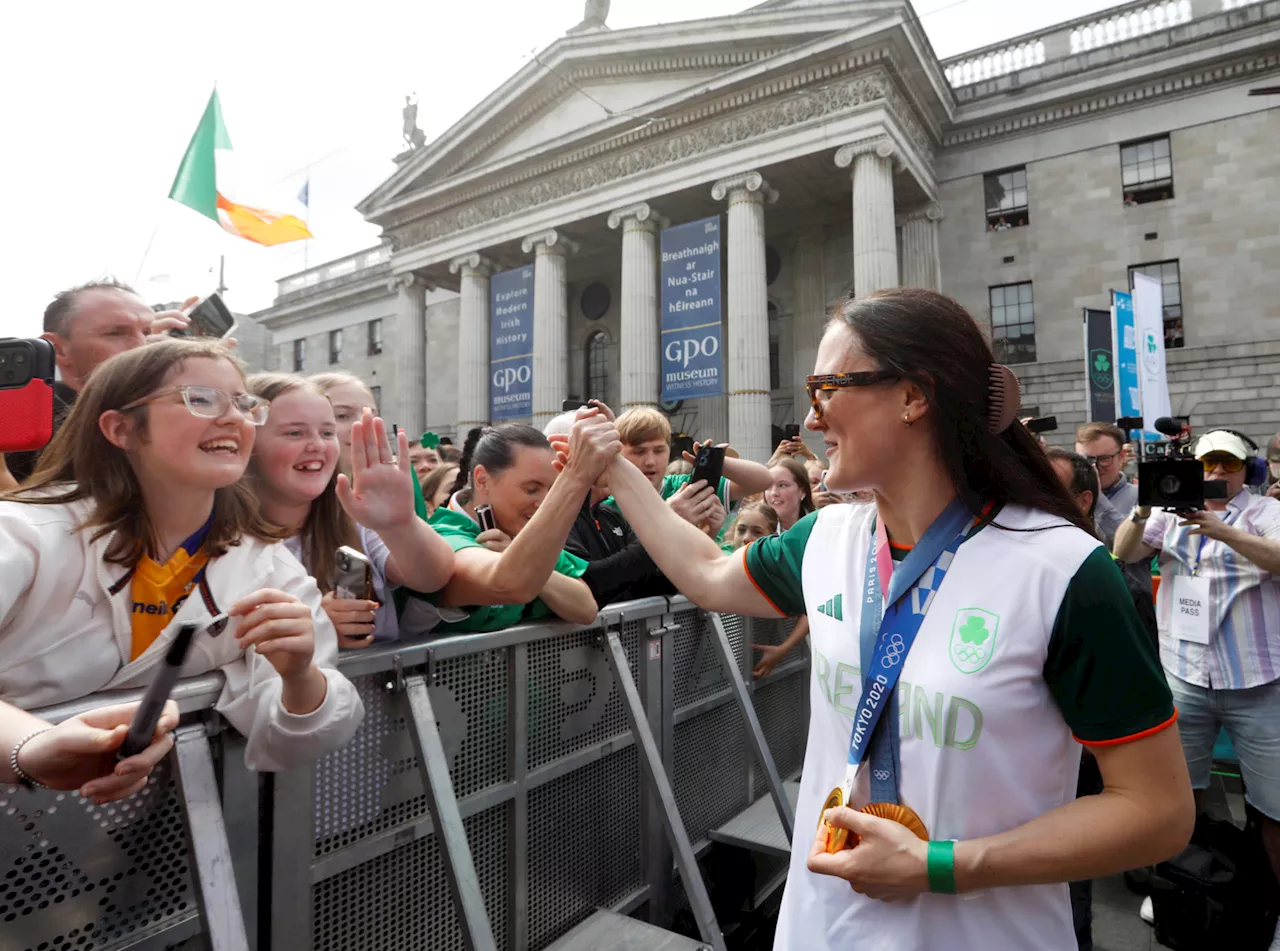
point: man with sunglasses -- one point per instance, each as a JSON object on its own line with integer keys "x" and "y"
{"x": 1218, "y": 610}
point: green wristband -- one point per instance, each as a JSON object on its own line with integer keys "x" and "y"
{"x": 942, "y": 867}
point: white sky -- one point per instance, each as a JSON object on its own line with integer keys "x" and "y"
{"x": 100, "y": 99}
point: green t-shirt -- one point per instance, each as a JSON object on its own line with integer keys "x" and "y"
{"x": 460, "y": 532}
{"x": 1100, "y": 667}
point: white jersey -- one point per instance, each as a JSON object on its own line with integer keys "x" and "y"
{"x": 1007, "y": 664}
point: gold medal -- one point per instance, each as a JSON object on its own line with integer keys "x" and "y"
{"x": 838, "y": 838}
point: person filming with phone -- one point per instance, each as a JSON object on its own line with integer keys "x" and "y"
{"x": 135, "y": 534}
{"x": 87, "y": 325}
{"x": 1218, "y": 610}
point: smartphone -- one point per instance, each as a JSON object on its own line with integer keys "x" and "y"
{"x": 26, "y": 394}
{"x": 484, "y": 514}
{"x": 210, "y": 317}
{"x": 708, "y": 466}
{"x": 791, "y": 432}
{"x": 353, "y": 576}
{"x": 1042, "y": 424}
{"x": 569, "y": 406}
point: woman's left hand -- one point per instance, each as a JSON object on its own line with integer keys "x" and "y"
{"x": 379, "y": 494}
{"x": 279, "y": 626}
{"x": 889, "y": 862}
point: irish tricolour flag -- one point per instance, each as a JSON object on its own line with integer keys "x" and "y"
{"x": 198, "y": 185}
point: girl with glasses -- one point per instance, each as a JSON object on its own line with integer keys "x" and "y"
{"x": 294, "y": 473}
{"x": 995, "y": 636}
{"x": 135, "y": 522}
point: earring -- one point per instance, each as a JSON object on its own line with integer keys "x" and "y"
{"x": 906, "y": 419}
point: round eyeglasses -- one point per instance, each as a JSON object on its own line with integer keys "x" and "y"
{"x": 209, "y": 402}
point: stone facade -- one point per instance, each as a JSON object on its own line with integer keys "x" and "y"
{"x": 876, "y": 155}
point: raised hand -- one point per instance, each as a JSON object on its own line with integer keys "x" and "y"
{"x": 379, "y": 494}
{"x": 593, "y": 442}
{"x": 693, "y": 500}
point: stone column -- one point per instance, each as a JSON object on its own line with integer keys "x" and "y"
{"x": 550, "y": 323}
{"x": 640, "y": 319}
{"x": 875, "y": 239}
{"x": 411, "y": 352}
{"x": 809, "y": 293}
{"x": 473, "y": 340}
{"x": 747, "y": 336}
{"x": 921, "y": 266}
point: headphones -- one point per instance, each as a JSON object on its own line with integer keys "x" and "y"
{"x": 1255, "y": 467}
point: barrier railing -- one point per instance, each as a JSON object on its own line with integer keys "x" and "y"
{"x": 502, "y": 788}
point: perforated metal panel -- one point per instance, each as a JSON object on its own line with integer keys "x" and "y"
{"x": 81, "y": 876}
{"x": 354, "y": 796}
{"x": 783, "y": 718}
{"x": 573, "y": 700}
{"x": 709, "y": 769}
{"x": 473, "y": 690}
{"x": 696, "y": 669}
{"x": 584, "y": 844}
{"x": 400, "y": 900}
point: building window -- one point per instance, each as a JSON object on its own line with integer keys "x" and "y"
{"x": 335, "y": 346}
{"x": 775, "y": 355}
{"x": 377, "y": 398}
{"x": 598, "y": 367}
{"x": 1006, "y": 194}
{"x": 299, "y": 356}
{"x": 1146, "y": 171}
{"x": 1013, "y": 323}
{"x": 375, "y": 337}
{"x": 1169, "y": 276}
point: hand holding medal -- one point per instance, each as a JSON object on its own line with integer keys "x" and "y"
{"x": 889, "y": 862}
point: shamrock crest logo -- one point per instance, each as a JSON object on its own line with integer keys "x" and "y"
{"x": 1151, "y": 354}
{"x": 973, "y": 639}
{"x": 1100, "y": 369}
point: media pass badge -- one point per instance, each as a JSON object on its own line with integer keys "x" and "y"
{"x": 1191, "y": 609}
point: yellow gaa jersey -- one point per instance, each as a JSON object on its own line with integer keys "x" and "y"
{"x": 159, "y": 590}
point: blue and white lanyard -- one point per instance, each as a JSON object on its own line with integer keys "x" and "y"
{"x": 886, "y": 637}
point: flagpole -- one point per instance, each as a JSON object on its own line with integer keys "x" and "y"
{"x": 145, "y": 254}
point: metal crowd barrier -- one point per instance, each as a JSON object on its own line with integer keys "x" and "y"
{"x": 502, "y": 788}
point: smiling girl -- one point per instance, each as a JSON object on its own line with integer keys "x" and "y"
{"x": 295, "y": 477}
{"x": 135, "y": 522}
{"x": 790, "y": 495}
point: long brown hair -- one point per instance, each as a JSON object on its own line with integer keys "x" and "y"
{"x": 446, "y": 472}
{"x": 82, "y": 464}
{"x": 328, "y": 525}
{"x": 801, "y": 475}
{"x": 929, "y": 339}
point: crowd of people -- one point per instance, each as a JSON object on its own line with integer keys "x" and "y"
{"x": 179, "y": 489}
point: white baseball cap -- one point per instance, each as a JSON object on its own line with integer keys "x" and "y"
{"x": 1221, "y": 441}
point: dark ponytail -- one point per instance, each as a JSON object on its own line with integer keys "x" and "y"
{"x": 494, "y": 447}
{"x": 929, "y": 339}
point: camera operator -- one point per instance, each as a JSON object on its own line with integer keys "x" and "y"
{"x": 1219, "y": 616}
{"x": 1273, "y": 467}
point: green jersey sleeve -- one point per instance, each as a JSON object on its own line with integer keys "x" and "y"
{"x": 1102, "y": 668}
{"x": 773, "y": 563}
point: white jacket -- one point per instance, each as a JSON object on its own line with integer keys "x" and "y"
{"x": 65, "y": 633}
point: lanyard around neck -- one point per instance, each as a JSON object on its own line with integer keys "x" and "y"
{"x": 888, "y": 629}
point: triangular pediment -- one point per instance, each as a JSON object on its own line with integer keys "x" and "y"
{"x": 598, "y": 85}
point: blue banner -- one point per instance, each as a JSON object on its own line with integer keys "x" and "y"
{"x": 511, "y": 344}
{"x": 692, "y": 366}
{"x": 1128, "y": 392}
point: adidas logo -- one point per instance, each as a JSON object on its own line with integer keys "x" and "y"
{"x": 833, "y": 608}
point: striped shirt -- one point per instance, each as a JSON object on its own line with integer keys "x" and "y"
{"x": 1244, "y": 600}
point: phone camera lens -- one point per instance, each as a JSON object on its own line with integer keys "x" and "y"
{"x": 19, "y": 358}
{"x": 3, "y": 359}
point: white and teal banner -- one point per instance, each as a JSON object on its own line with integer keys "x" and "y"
{"x": 1148, "y": 319}
{"x": 1128, "y": 387}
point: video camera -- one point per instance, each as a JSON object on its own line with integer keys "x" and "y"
{"x": 1171, "y": 477}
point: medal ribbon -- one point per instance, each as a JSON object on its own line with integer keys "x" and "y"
{"x": 887, "y": 635}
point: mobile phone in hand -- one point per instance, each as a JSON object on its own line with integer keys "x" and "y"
{"x": 484, "y": 514}
{"x": 210, "y": 317}
{"x": 569, "y": 406}
{"x": 792, "y": 432}
{"x": 708, "y": 466}
{"x": 353, "y": 576}
{"x": 26, "y": 394}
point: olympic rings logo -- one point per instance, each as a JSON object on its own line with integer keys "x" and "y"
{"x": 895, "y": 650}
{"x": 968, "y": 654}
